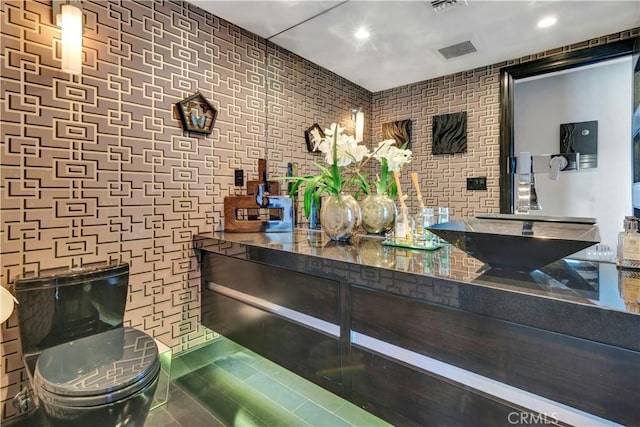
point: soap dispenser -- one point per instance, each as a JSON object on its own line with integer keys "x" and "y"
{"x": 629, "y": 244}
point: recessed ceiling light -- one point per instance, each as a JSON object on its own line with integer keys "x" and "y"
{"x": 547, "y": 21}
{"x": 361, "y": 34}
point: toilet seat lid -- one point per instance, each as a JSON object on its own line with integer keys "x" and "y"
{"x": 115, "y": 363}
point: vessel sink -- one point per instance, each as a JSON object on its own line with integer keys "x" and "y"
{"x": 519, "y": 242}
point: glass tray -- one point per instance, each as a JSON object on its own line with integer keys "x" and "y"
{"x": 432, "y": 247}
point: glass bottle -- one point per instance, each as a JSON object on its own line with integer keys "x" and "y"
{"x": 424, "y": 219}
{"x": 404, "y": 228}
{"x": 629, "y": 244}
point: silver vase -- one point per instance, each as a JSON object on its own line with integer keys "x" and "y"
{"x": 340, "y": 216}
{"x": 378, "y": 213}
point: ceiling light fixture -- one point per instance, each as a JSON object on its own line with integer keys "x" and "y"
{"x": 361, "y": 34}
{"x": 547, "y": 21}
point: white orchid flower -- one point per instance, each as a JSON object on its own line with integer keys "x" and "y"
{"x": 397, "y": 158}
{"x": 334, "y": 127}
{"x": 316, "y": 138}
{"x": 383, "y": 149}
{"x": 347, "y": 149}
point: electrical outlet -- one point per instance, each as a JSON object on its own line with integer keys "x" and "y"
{"x": 477, "y": 183}
{"x": 238, "y": 178}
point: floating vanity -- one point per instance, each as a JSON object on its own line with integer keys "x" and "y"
{"x": 431, "y": 337}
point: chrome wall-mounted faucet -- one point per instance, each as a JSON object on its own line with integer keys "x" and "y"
{"x": 527, "y": 165}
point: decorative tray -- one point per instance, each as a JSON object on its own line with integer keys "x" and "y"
{"x": 431, "y": 247}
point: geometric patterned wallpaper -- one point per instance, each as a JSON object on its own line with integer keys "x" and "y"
{"x": 443, "y": 177}
{"x": 299, "y": 94}
{"x": 96, "y": 167}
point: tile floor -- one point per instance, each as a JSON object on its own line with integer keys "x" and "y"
{"x": 226, "y": 385}
{"x": 223, "y": 384}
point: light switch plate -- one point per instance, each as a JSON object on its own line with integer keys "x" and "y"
{"x": 477, "y": 183}
{"x": 238, "y": 178}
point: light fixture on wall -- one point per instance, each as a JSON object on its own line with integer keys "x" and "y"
{"x": 67, "y": 14}
{"x": 357, "y": 115}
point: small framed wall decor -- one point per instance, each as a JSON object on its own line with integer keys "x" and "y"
{"x": 197, "y": 114}
{"x": 400, "y": 131}
{"x": 450, "y": 133}
{"x": 308, "y": 136}
{"x": 580, "y": 137}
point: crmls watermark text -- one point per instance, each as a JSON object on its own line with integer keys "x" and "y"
{"x": 529, "y": 418}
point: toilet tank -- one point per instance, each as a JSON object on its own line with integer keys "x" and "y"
{"x": 60, "y": 305}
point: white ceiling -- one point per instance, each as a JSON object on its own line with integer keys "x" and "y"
{"x": 406, "y": 34}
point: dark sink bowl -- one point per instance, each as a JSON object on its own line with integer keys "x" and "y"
{"x": 514, "y": 242}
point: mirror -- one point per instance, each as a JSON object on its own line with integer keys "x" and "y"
{"x": 530, "y": 109}
{"x": 299, "y": 94}
{"x": 635, "y": 129}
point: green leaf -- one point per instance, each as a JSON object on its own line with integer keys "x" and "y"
{"x": 309, "y": 194}
{"x": 322, "y": 169}
{"x": 362, "y": 182}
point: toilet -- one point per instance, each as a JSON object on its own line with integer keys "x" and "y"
{"x": 85, "y": 367}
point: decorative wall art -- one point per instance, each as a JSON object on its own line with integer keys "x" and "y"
{"x": 197, "y": 114}
{"x": 450, "y": 133}
{"x": 400, "y": 131}
{"x": 308, "y": 136}
{"x": 580, "y": 137}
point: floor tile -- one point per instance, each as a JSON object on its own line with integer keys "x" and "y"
{"x": 272, "y": 389}
{"x": 188, "y": 362}
{"x": 310, "y": 391}
{"x": 161, "y": 418}
{"x": 187, "y": 411}
{"x": 207, "y": 387}
{"x": 235, "y": 366}
{"x": 251, "y": 400}
{"x": 319, "y": 416}
{"x": 268, "y": 367}
{"x": 358, "y": 416}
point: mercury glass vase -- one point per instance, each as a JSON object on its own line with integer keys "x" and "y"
{"x": 378, "y": 213}
{"x": 340, "y": 216}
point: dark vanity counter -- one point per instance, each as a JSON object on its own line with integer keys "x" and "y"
{"x": 584, "y": 299}
{"x": 568, "y": 333}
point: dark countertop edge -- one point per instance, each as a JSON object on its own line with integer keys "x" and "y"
{"x": 571, "y": 318}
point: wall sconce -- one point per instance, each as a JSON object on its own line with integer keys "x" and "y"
{"x": 358, "y": 116}
{"x": 67, "y": 14}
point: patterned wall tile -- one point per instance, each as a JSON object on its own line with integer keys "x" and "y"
{"x": 299, "y": 94}
{"x": 96, "y": 167}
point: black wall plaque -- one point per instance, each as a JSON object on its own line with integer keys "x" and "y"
{"x": 450, "y": 133}
{"x": 581, "y": 137}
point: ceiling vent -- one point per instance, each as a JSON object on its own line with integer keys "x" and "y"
{"x": 458, "y": 49}
{"x": 440, "y": 5}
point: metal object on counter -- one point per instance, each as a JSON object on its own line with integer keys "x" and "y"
{"x": 259, "y": 210}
